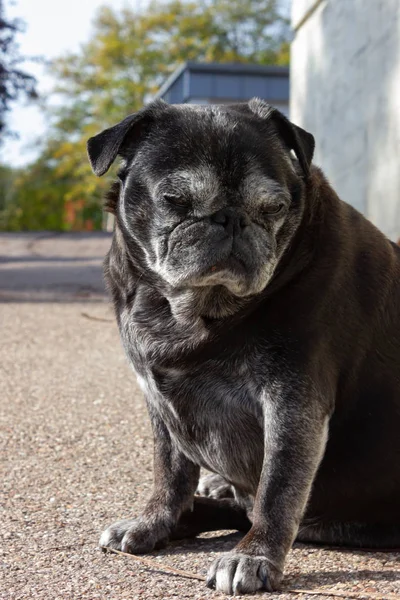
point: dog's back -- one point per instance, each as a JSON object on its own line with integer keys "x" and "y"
{"x": 357, "y": 315}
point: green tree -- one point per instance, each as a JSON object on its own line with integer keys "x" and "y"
{"x": 127, "y": 59}
{"x": 48, "y": 195}
{"x": 131, "y": 54}
{"x": 255, "y": 31}
{"x": 14, "y": 81}
{"x": 7, "y": 176}
{"x": 34, "y": 203}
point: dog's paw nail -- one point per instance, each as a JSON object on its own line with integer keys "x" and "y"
{"x": 237, "y": 590}
{"x": 210, "y": 583}
{"x": 264, "y": 577}
{"x": 161, "y": 544}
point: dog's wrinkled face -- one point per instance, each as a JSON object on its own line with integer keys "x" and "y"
{"x": 210, "y": 194}
{"x": 213, "y": 213}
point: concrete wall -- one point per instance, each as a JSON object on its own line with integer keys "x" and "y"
{"x": 345, "y": 89}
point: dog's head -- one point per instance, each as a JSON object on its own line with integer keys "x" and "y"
{"x": 210, "y": 195}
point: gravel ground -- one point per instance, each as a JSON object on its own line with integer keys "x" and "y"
{"x": 77, "y": 448}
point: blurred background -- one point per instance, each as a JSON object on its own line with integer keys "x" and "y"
{"x": 70, "y": 69}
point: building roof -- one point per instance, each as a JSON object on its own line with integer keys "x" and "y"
{"x": 226, "y": 81}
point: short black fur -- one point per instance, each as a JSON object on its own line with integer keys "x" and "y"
{"x": 263, "y": 323}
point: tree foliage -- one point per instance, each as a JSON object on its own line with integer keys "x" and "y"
{"x": 14, "y": 81}
{"x": 126, "y": 60}
{"x": 130, "y": 54}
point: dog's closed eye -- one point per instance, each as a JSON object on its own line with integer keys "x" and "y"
{"x": 178, "y": 202}
{"x": 273, "y": 209}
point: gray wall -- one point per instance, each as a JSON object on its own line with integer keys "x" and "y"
{"x": 345, "y": 89}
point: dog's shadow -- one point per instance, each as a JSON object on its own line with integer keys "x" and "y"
{"x": 316, "y": 579}
{"x": 215, "y": 543}
{"x": 225, "y": 542}
{"x": 311, "y": 579}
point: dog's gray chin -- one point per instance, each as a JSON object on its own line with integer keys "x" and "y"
{"x": 236, "y": 286}
{"x": 240, "y": 285}
{"x": 241, "y": 278}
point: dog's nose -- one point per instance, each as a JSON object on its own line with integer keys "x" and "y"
{"x": 229, "y": 218}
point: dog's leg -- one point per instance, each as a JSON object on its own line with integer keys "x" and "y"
{"x": 352, "y": 535}
{"x": 295, "y": 433}
{"x": 209, "y": 514}
{"x": 175, "y": 481}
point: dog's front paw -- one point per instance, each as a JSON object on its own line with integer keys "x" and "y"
{"x": 238, "y": 573}
{"x": 214, "y": 486}
{"x": 135, "y": 536}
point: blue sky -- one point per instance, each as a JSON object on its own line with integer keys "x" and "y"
{"x": 52, "y": 27}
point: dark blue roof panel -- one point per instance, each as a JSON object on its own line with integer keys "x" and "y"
{"x": 214, "y": 81}
{"x": 174, "y": 93}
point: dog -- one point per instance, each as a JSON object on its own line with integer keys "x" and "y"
{"x": 261, "y": 315}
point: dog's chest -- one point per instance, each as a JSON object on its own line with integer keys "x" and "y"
{"x": 214, "y": 415}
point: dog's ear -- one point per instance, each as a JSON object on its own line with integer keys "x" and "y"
{"x": 104, "y": 147}
{"x": 295, "y": 138}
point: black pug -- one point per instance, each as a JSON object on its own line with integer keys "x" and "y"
{"x": 262, "y": 317}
